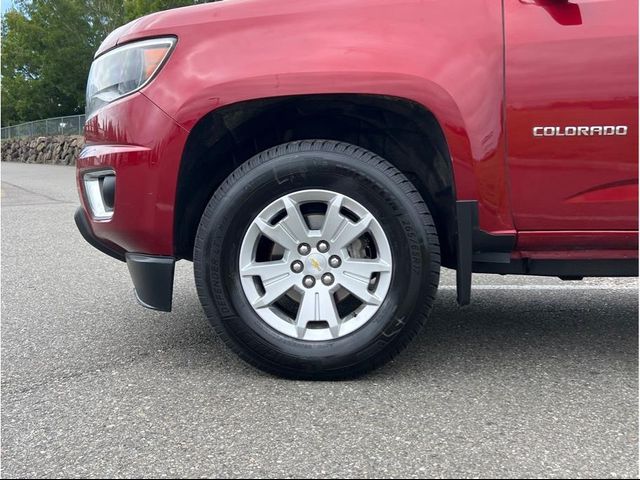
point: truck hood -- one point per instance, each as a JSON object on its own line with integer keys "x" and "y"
{"x": 171, "y": 22}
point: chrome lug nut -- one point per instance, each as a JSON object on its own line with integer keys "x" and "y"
{"x": 297, "y": 266}
{"x": 304, "y": 249}
{"x": 323, "y": 246}
{"x": 327, "y": 279}
{"x": 309, "y": 281}
{"x": 334, "y": 261}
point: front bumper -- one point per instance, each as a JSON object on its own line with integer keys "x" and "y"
{"x": 85, "y": 229}
{"x": 143, "y": 146}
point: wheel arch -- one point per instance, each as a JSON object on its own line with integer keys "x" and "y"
{"x": 402, "y": 131}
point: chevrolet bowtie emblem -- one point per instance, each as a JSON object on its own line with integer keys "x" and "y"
{"x": 315, "y": 263}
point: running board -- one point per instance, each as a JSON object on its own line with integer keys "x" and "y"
{"x": 481, "y": 252}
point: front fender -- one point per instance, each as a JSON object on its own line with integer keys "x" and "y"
{"x": 424, "y": 51}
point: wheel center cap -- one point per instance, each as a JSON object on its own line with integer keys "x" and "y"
{"x": 316, "y": 264}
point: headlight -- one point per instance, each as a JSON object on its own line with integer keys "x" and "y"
{"x": 124, "y": 70}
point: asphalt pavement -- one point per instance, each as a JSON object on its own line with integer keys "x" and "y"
{"x": 536, "y": 378}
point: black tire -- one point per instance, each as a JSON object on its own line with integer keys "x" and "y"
{"x": 342, "y": 168}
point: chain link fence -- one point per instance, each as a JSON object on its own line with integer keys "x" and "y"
{"x": 71, "y": 125}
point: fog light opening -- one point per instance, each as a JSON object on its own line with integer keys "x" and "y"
{"x": 100, "y": 190}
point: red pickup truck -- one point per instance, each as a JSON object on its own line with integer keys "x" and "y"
{"x": 320, "y": 161}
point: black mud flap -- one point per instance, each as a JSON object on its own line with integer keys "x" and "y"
{"x": 153, "y": 280}
{"x": 476, "y": 246}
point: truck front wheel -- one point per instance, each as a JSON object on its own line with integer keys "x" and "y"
{"x": 316, "y": 260}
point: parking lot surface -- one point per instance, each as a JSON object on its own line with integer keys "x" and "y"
{"x": 537, "y": 377}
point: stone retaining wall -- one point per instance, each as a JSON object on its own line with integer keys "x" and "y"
{"x": 58, "y": 150}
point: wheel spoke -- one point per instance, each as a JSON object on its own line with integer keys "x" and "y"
{"x": 333, "y": 219}
{"x": 278, "y": 234}
{"x": 350, "y": 231}
{"x": 274, "y": 289}
{"x": 364, "y": 268}
{"x": 358, "y": 286}
{"x": 267, "y": 271}
{"x": 294, "y": 223}
{"x": 318, "y": 305}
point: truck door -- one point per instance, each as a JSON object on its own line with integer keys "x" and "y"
{"x": 572, "y": 113}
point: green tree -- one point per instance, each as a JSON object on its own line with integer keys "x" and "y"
{"x": 47, "y": 49}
